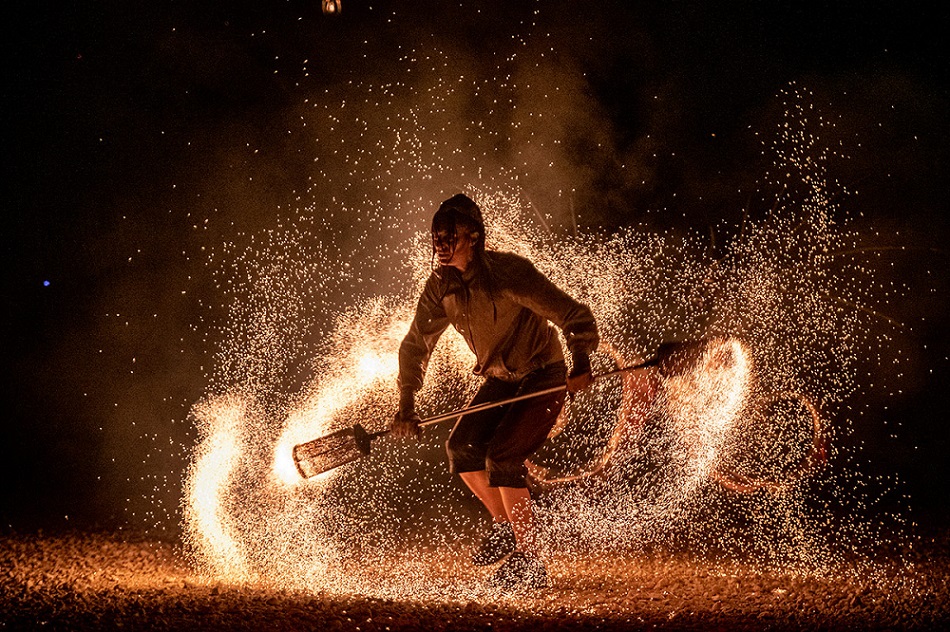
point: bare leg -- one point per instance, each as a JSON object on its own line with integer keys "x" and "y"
{"x": 517, "y": 501}
{"x": 490, "y": 496}
{"x": 506, "y": 504}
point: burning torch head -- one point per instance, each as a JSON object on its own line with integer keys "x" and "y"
{"x": 329, "y": 452}
{"x": 460, "y": 211}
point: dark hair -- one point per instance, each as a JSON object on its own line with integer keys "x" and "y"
{"x": 460, "y": 210}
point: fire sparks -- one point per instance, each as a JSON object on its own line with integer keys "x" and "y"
{"x": 363, "y": 368}
{"x": 646, "y": 461}
{"x": 706, "y": 402}
{"x": 219, "y": 455}
{"x": 664, "y": 469}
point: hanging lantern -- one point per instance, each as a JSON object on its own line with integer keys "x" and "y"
{"x": 331, "y": 7}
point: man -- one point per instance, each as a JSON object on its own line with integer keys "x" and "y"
{"x": 502, "y": 305}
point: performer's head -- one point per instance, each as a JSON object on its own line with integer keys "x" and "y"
{"x": 458, "y": 232}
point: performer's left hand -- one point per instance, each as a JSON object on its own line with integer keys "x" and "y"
{"x": 580, "y": 376}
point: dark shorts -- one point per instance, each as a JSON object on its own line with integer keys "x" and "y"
{"x": 500, "y": 439}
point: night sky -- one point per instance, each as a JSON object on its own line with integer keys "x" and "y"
{"x": 128, "y": 124}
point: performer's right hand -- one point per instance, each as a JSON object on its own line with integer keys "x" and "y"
{"x": 406, "y": 421}
{"x": 405, "y": 425}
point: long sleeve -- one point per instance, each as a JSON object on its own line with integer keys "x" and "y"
{"x": 531, "y": 289}
{"x": 427, "y": 326}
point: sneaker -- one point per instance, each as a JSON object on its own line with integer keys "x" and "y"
{"x": 520, "y": 571}
{"x": 496, "y": 545}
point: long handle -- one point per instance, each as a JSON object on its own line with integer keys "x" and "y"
{"x": 428, "y": 421}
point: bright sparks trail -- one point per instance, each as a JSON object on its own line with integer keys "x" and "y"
{"x": 222, "y": 423}
{"x": 663, "y": 445}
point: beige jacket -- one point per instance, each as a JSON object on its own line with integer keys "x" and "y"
{"x": 502, "y": 308}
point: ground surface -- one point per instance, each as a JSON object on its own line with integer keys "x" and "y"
{"x": 94, "y": 581}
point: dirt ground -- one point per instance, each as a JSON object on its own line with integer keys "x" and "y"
{"x": 97, "y": 581}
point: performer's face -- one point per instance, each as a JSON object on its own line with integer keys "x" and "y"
{"x": 453, "y": 249}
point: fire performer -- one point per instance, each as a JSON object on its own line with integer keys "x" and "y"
{"x": 503, "y": 306}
